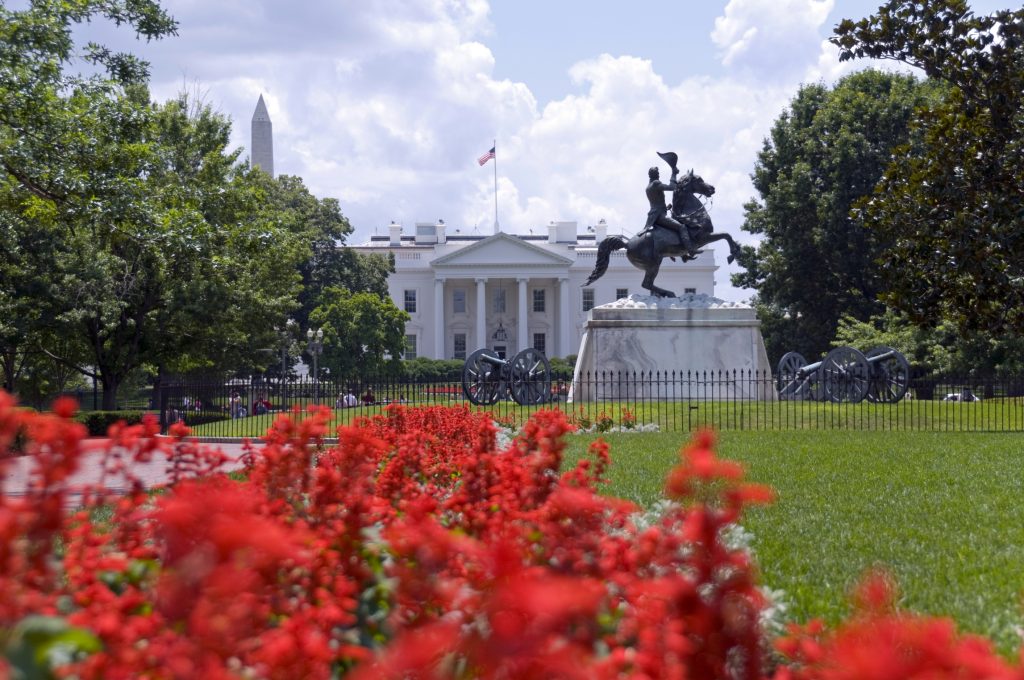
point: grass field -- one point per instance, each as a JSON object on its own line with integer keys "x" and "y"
{"x": 942, "y": 511}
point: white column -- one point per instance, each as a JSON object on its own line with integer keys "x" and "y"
{"x": 524, "y": 316}
{"x": 481, "y": 312}
{"x": 439, "y": 318}
{"x": 563, "y": 319}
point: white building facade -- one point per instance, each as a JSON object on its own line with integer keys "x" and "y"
{"x": 509, "y": 292}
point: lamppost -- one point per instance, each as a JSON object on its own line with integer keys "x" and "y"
{"x": 286, "y": 335}
{"x": 315, "y": 345}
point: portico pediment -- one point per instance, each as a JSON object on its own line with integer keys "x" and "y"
{"x": 501, "y": 250}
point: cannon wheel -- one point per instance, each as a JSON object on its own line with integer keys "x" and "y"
{"x": 788, "y": 375}
{"x": 845, "y": 375}
{"x": 481, "y": 378}
{"x": 890, "y": 377}
{"x": 531, "y": 378}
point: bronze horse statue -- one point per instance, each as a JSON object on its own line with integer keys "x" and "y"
{"x": 647, "y": 249}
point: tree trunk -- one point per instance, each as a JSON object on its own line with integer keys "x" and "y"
{"x": 110, "y": 385}
{"x": 9, "y": 365}
{"x": 924, "y": 389}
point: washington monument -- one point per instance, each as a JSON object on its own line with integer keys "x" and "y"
{"x": 262, "y": 139}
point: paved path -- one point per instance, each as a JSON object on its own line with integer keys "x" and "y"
{"x": 17, "y": 471}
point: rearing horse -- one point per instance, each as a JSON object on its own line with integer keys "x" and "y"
{"x": 647, "y": 249}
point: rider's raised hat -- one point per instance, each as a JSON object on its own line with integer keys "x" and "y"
{"x": 669, "y": 157}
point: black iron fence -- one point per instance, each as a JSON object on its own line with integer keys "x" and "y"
{"x": 664, "y": 401}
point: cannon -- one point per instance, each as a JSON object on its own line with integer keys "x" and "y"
{"x": 882, "y": 376}
{"x": 487, "y": 378}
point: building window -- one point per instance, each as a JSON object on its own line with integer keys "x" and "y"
{"x": 689, "y": 291}
{"x": 460, "y": 345}
{"x": 500, "y": 351}
{"x": 410, "y": 301}
{"x": 499, "y": 301}
{"x": 538, "y": 300}
{"x": 459, "y": 301}
{"x": 588, "y": 299}
{"x": 621, "y": 293}
{"x": 410, "y": 347}
{"x": 538, "y": 342}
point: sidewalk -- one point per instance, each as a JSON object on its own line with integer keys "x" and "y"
{"x": 17, "y": 471}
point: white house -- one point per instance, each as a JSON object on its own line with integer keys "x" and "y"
{"x": 509, "y": 292}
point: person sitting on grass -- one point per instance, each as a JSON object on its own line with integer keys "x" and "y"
{"x": 369, "y": 398}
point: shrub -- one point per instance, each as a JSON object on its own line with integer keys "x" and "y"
{"x": 580, "y": 419}
{"x": 562, "y": 369}
{"x": 97, "y": 423}
{"x": 604, "y": 422}
{"x": 422, "y": 369}
{"x": 202, "y": 418}
{"x": 628, "y": 419}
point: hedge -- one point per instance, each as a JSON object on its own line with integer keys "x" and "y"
{"x": 98, "y": 422}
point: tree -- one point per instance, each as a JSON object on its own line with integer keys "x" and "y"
{"x": 58, "y": 164}
{"x": 816, "y": 261}
{"x": 938, "y": 350}
{"x": 950, "y": 210}
{"x": 363, "y": 332}
{"x": 187, "y": 266}
{"x": 328, "y": 265}
{"x": 203, "y": 272}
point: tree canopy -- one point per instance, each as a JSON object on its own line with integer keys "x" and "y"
{"x": 70, "y": 157}
{"x": 133, "y": 236}
{"x": 363, "y": 332}
{"x": 816, "y": 262}
{"x": 950, "y": 208}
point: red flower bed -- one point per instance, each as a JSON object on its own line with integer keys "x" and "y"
{"x": 412, "y": 549}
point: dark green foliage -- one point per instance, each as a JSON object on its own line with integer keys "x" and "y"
{"x": 364, "y": 333}
{"x": 816, "y": 262}
{"x": 68, "y": 159}
{"x": 561, "y": 369}
{"x": 951, "y": 207}
{"x": 98, "y": 422}
{"x": 422, "y": 369}
{"x": 939, "y": 350}
{"x": 202, "y": 418}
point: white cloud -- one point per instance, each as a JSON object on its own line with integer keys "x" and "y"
{"x": 773, "y": 38}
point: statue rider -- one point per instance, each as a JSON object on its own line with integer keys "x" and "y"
{"x": 659, "y": 214}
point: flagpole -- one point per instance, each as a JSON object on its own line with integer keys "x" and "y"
{"x": 495, "y": 147}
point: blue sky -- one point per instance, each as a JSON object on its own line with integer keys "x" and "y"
{"x": 386, "y": 105}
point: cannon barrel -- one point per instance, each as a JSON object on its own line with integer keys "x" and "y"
{"x": 809, "y": 369}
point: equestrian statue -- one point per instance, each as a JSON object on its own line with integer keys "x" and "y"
{"x": 676, "y": 230}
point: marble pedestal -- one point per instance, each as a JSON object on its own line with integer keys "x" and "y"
{"x": 693, "y": 347}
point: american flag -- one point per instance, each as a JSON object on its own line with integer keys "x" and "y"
{"x": 486, "y": 157}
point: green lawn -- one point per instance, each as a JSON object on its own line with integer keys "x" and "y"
{"x": 941, "y": 510}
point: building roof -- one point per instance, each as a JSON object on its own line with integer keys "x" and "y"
{"x": 499, "y": 249}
